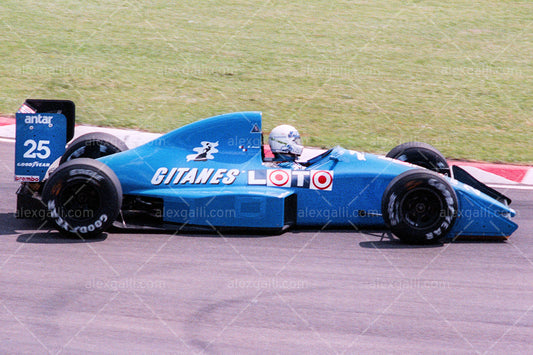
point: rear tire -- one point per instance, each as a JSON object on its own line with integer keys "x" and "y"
{"x": 93, "y": 145}
{"x": 419, "y": 206}
{"x": 421, "y": 154}
{"x": 83, "y": 197}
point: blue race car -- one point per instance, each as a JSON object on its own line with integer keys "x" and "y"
{"x": 214, "y": 174}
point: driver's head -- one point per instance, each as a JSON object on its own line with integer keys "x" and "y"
{"x": 285, "y": 141}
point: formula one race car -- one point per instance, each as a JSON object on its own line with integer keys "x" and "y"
{"x": 214, "y": 173}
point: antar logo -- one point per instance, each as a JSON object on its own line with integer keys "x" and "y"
{"x": 311, "y": 179}
{"x": 38, "y": 119}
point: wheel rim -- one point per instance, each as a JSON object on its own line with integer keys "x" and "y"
{"x": 422, "y": 208}
{"x": 80, "y": 201}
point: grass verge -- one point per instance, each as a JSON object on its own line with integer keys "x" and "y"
{"x": 367, "y": 76}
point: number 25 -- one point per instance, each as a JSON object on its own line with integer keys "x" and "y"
{"x": 37, "y": 150}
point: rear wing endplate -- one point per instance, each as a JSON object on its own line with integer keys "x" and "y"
{"x": 43, "y": 128}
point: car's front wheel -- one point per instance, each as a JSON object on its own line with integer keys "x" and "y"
{"x": 419, "y": 206}
{"x": 83, "y": 197}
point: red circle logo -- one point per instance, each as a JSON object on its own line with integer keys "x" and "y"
{"x": 322, "y": 180}
{"x": 279, "y": 177}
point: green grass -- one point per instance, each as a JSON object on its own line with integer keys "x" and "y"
{"x": 365, "y": 75}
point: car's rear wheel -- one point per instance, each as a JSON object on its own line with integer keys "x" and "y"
{"x": 83, "y": 197}
{"x": 93, "y": 145}
{"x": 419, "y": 207}
{"x": 421, "y": 154}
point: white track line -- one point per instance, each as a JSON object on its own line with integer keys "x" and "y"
{"x": 512, "y": 187}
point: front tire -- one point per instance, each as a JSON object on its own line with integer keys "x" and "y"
{"x": 419, "y": 206}
{"x": 83, "y": 197}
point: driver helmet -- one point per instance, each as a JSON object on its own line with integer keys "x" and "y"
{"x": 285, "y": 140}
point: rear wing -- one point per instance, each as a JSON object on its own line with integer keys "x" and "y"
{"x": 43, "y": 128}
{"x": 64, "y": 107}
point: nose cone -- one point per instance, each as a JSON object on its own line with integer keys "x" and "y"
{"x": 481, "y": 216}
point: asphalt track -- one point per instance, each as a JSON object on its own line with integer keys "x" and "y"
{"x": 315, "y": 292}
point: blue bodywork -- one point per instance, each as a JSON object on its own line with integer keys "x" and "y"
{"x": 213, "y": 173}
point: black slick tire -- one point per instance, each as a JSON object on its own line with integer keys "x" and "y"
{"x": 419, "y": 207}
{"x": 421, "y": 154}
{"x": 93, "y": 145}
{"x": 83, "y": 197}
